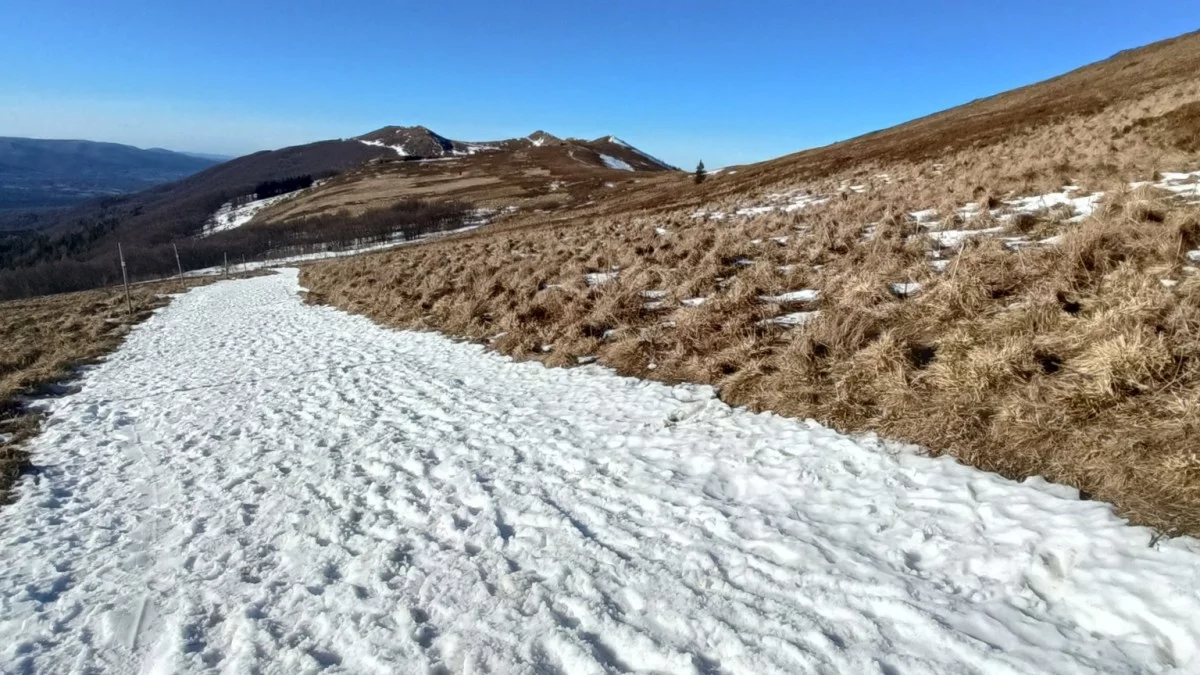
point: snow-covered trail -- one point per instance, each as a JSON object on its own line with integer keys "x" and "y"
{"x": 251, "y": 484}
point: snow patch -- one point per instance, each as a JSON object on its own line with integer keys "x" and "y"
{"x": 398, "y": 149}
{"x": 924, "y": 216}
{"x": 648, "y": 156}
{"x": 597, "y": 278}
{"x": 1082, "y": 207}
{"x": 955, "y": 238}
{"x": 794, "y": 319}
{"x": 804, "y": 295}
{"x": 230, "y": 217}
{"x": 905, "y": 289}
{"x": 614, "y": 163}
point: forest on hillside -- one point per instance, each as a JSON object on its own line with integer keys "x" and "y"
{"x": 53, "y": 269}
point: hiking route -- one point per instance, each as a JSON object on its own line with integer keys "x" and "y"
{"x": 254, "y": 484}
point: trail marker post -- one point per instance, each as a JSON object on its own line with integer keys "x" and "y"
{"x": 178, "y": 264}
{"x": 125, "y": 280}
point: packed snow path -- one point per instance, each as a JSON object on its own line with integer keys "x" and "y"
{"x": 251, "y": 484}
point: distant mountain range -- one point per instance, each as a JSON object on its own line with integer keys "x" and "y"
{"x": 40, "y": 173}
{"x": 156, "y": 197}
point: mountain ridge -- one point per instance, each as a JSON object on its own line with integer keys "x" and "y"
{"x": 71, "y": 249}
{"x": 421, "y": 142}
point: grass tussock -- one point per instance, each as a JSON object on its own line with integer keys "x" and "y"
{"x": 1074, "y": 361}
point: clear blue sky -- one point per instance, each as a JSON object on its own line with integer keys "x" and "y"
{"x": 729, "y": 82}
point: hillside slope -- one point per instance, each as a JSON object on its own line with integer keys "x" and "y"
{"x": 534, "y": 174}
{"x": 38, "y": 173}
{"x": 1015, "y": 282}
{"x": 1133, "y": 113}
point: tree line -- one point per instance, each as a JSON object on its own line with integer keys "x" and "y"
{"x": 271, "y": 188}
{"x": 58, "y": 272}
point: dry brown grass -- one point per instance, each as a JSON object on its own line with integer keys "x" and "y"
{"x": 1071, "y": 362}
{"x": 1123, "y": 118}
{"x": 43, "y": 341}
{"x": 536, "y": 180}
{"x": 1074, "y": 362}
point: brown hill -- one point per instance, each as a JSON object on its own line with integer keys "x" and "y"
{"x": 536, "y": 174}
{"x": 420, "y": 142}
{"x": 1134, "y": 113}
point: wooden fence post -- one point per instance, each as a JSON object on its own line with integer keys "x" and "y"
{"x": 125, "y": 280}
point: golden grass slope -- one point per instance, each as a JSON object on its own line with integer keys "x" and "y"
{"x": 1078, "y": 361}
{"x": 534, "y": 180}
{"x": 1074, "y": 362}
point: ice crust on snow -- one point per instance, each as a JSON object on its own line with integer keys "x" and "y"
{"x": 261, "y": 485}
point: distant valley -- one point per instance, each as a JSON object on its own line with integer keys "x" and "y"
{"x": 39, "y": 173}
